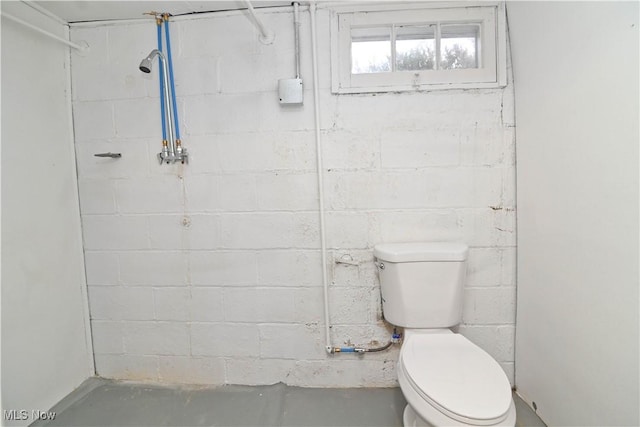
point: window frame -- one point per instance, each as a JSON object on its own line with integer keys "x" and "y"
{"x": 492, "y": 55}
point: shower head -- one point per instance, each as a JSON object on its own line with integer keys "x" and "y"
{"x": 145, "y": 65}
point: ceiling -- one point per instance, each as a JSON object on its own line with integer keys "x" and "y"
{"x": 81, "y": 11}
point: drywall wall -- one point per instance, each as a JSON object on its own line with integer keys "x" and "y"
{"x": 211, "y": 272}
{"x": 45, "y": 352}
{"x": 576, "y": 86}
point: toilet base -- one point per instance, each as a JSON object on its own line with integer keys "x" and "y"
{"x": 410, "y": 418}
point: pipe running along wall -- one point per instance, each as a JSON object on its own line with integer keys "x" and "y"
{"x": 320, "y": 167}
{"x": 296, "y": 29}
{"x": 80, "y": 47}
{"x": 145, "y": 66}
{"x": 323, "y": 245}
{"x": 266, "y": 36}
{"x": 173, "y": 86}
{"x": 161, "y": 80}
{"x": 172, "y": 150}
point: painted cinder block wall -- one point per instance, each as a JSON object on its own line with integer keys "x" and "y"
{"x": 210, "y": 273}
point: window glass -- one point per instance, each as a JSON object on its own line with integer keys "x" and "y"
{"x": 415, "y": 47}
{"x": 370, "y": 50}
{"x": 459, "y": 46}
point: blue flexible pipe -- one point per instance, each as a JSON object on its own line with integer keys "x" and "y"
{"x": 173, "y": 88}
{"x": 162, "y": 113}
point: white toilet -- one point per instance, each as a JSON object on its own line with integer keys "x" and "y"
{"x": 445, "y": 378}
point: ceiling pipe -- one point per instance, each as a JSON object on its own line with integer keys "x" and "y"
{"x": 45, "y": 12}
{"x": 266, "y": 36}
{"x": 46, "y": 33}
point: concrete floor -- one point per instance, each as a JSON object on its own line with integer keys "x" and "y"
{"x": 99, "y": 402}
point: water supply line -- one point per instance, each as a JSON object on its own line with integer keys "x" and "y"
{"x": 361, "y": 349}
{"x": 168, "y": 153}
{"x": 316, "y": 111}
{"x": 165, "y": 143}
{"x": 45, "y": 12}
{"x": 172, "y": 150}
{"x": 323, "y": 244}
{"x": 176, "y": 122}
{"x": 79, "y": 47}
{"x": 266, "y": 36}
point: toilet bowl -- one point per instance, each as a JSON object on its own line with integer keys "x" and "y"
{"x": 445, "y": 378}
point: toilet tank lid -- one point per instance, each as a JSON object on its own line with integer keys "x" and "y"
{"x": 421, "y": 251}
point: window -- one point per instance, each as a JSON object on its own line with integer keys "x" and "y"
{"x": 420, "y": 47}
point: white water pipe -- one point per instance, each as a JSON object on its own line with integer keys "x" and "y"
{"x": 46, "y": 33}
{"x": 45, "y": 12}
{"x": 316, "y": 110}
{"x": 266, "y": 36}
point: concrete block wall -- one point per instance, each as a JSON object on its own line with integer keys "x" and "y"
{"x": 210, "y": 273}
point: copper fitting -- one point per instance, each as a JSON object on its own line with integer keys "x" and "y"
{"x": 165, "y": 143}
{"x": 178, "y": 143}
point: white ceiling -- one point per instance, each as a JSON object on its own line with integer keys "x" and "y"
{"x": 80, "y": 11}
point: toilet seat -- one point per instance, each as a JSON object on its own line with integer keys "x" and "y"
{"x": 454, "y": 376}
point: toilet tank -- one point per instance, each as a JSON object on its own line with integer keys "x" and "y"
{"x": 421, "y": 283}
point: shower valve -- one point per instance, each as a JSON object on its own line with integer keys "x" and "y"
{"x": 167, "y": 157}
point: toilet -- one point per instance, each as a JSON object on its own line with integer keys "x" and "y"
{"x": 445, "y": 378}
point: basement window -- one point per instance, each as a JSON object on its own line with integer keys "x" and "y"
{"x": 383, "y": 49}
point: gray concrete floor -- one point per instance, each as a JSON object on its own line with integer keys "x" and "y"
{"x": 99, "y": 402}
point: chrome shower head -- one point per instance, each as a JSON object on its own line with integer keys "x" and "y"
{"x": 146, "y": 64}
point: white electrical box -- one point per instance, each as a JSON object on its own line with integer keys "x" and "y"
{"x": 290, "y": 91}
